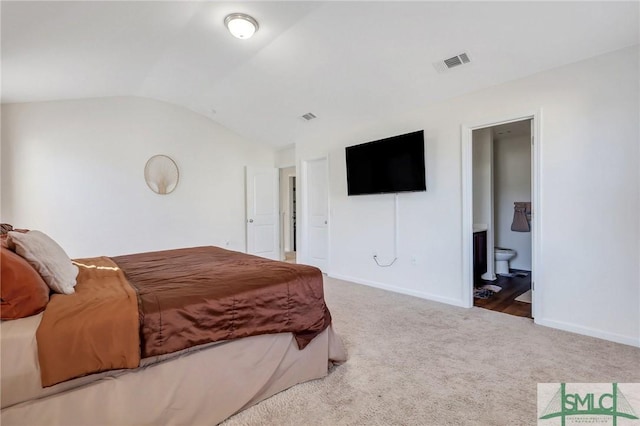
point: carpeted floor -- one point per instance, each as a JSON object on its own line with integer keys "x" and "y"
{"x": 416, "y": 362}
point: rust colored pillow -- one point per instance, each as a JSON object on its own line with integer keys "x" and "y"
{"x": 23, "y": 292}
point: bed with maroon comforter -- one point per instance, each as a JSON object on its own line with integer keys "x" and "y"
{"x": 187, "y": 336}
{"x": 131, "y": 307}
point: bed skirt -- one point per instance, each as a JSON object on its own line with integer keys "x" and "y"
{"x": 201, "y": 387}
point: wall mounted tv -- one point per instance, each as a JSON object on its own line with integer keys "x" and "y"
{"x": 393, "y": 164}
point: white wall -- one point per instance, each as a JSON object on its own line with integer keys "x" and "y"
{"x": 482, "y": 176}
{"x": 286, "y": 157}
{"x": 74, "y": 169}
{"x": 512, "y": 182}
{"x": 589, "y": 277}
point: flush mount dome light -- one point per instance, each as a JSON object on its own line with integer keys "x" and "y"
{"x": 240, "y": 25}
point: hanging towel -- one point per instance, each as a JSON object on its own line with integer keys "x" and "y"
{"x": 520, "y": 222}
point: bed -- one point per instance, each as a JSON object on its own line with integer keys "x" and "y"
{"x": 234, "y": 357}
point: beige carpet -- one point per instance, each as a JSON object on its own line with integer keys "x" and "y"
{"x": 416, "y": 362}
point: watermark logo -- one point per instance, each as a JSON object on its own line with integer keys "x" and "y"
{"x": 588, "y": 403}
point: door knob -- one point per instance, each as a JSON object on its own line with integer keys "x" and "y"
{"x": 250, "y": 220}
{"x": 325, "y": 222}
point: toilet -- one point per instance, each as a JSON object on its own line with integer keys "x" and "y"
{"x": 503, "y": 256}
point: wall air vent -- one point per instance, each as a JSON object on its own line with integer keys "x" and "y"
{"x": 454, "y": 61}
{"x": 308, "y": 116}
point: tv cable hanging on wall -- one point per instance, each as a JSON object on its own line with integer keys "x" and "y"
{"x": 395, "y": 236}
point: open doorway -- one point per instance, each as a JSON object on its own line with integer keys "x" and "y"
{"x": 501, "y": 217}
{"x": 499, "y": 197}
{"x": 288, "y": 213}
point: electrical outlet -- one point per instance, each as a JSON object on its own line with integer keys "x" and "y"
{"x": 374, "y": 253}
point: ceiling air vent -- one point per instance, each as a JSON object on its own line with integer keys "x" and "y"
{"x": 308, "y": 116}
{"x": 452, "y": 62}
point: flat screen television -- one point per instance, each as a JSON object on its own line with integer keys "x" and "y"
{"x": 394, "y": 164}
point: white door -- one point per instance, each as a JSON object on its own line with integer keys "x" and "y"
{"x": 263, "y": 234}
{"x": 317, "y": 213}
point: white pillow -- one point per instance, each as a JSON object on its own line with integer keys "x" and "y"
{"x": 48, "y": 258}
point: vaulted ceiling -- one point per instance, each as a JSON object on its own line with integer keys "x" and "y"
{"x": 346, "y": 62}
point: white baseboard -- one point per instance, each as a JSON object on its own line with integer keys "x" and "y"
{"x": 420, "y": 294}
{"x": 591, "y": 332}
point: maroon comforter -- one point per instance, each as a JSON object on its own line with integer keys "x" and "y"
{"x": 191, "y": 296}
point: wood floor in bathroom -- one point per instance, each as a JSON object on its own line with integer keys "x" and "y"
{"x": 504, "y": 300}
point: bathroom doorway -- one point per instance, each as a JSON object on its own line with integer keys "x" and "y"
{"x": 499, "y": 175}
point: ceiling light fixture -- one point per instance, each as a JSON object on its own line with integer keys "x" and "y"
{"x": 240, "y": 25}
